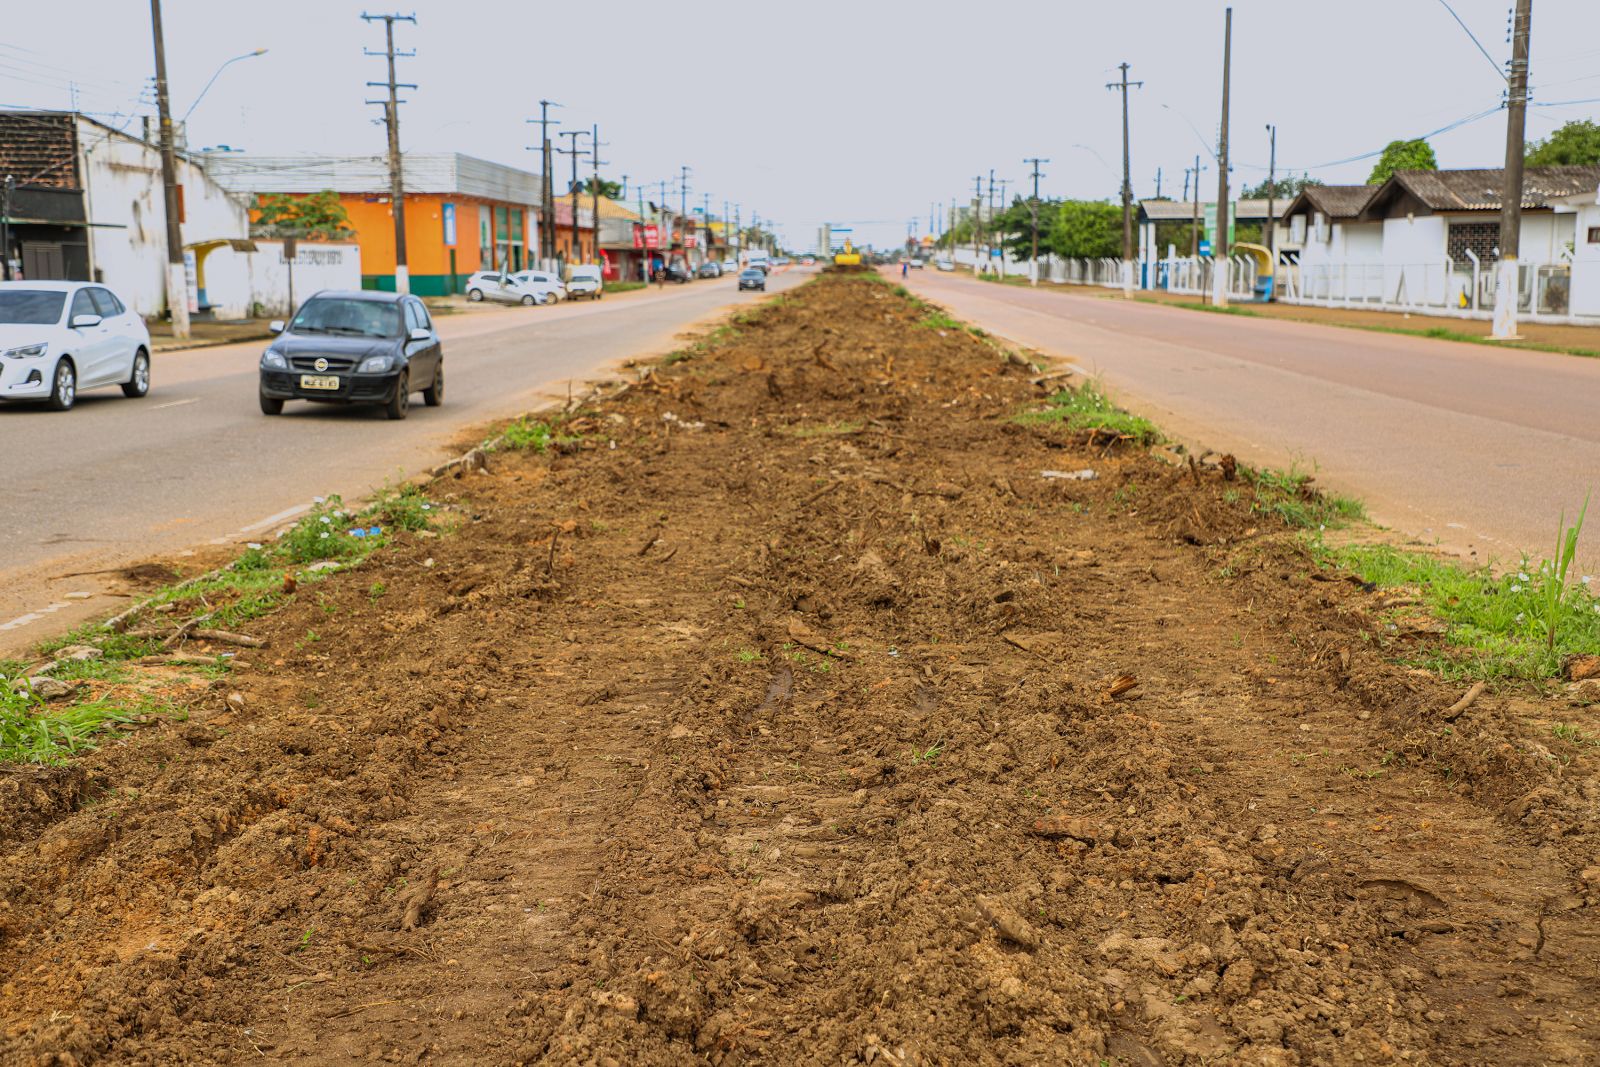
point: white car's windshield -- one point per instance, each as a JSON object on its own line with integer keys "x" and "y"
{"x": 360, "y": 318}
{"x": 31, "y": 307}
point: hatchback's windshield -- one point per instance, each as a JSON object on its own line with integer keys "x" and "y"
{"x": 31, "y": 307}
{"x": 357, "y": 318}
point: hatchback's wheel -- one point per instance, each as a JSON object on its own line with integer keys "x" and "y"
{"x": 138, "y": 383}
{"x": 433, "y": 395}
{"x": 270, "y": 405}
{"x": 400, "y": 403}
{"x": 528, "y": 300}
{"x": 64, "y": 386}
{"x": 475, "y": 295}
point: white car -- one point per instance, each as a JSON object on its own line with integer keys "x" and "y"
{"x": 917, "y": 263}
{"x": 60, "y": 338}
{"x": 508, "y": 288}
{"x": 944, "y": 264}
{"x": 546, "y": 285}
{"x": 585, "y": 281}
{"x": 730, "y": 266}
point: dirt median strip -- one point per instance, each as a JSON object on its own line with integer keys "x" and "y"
{"x": 780, "y": 708}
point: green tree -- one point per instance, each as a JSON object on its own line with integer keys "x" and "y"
{"x": 1286, "y": 188}
{"x": 1086, "y": 229}
{"x": 609, "y": 189}
{"x": 318, "y": 216}
{"x": 1403, "y": 155}
{"x": 1576, "y": 143}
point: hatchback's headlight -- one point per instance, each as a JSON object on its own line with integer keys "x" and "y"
{"x": 375, "y": 364}
{"x": 25, "y": 352}
{"x": 273, "y": 359}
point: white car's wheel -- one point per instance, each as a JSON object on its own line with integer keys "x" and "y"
{"x": 475, "y": 295}
{"x": 64, "y": 386}
{"x": 138, "y": 383}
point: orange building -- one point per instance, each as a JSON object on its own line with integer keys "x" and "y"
{"x": 463, "y": 214}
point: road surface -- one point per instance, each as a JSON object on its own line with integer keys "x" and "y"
{"x": 1476, "y": 448}
{"x": 115, "y": 481}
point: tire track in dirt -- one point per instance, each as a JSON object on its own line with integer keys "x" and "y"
{"x": 786, "y": 729}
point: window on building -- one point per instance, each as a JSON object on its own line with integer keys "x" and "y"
{"x": 1482, "y": 239}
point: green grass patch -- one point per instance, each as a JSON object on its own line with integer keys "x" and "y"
{"x": 1499, "y": 626}
{"x": 531, "y": 435}
{"x": 938, "y": 320}
{"x": 625, "y": 287}
{"x": 1088, "y": 408}
{"x": 1289, "y": 496}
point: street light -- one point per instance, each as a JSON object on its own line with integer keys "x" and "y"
{"x": 207, "y": 89}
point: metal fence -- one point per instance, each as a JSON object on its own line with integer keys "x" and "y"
{"x": 1446, "y": 287}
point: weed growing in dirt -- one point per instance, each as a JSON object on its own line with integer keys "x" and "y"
{"x": 930, "y": 754}
{"x": 1289, "y": 496}
{"x": 938, "y": 320}
{"x": 528, "y": 434}
{"x": 1088, "y": 408}
{"x": 1501, "y": 626}
{"x": 32, "y": 731}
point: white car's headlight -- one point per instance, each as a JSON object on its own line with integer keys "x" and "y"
{"x": 375, "y": 365}
{"x": 26, "y": 351}
{"x": 274, "y": 360}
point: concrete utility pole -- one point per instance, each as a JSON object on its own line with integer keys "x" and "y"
{"x": 8, "y": 183}
{"x": 1127, "y": 183}
{"x": 1194, "y": 225}
{"x": 1507, "y": 287}
{"x": 683, "y": 212}
{"x": 177, "y": 279}
{"x": 391, "y": 118}
{"x": 977, "y": 221}
{"x": 1272, "y": 173}
{"x": 1219, "y": 248}
{"x": 547, "y": 196}
{"x": 595, "y": 144}
{"x": 1158, "y": 183}
{"x": 1034, "y": 215}
{"x": 575, "y": 251}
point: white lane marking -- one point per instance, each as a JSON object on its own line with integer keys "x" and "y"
{"x": 32, "y": 616}
{"x": 176, "y": 403}
{"x": 286, "y": 513}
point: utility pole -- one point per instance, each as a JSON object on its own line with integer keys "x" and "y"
{"x": 683, "y": 212}
{"x": 6, "y": 185}
{"x": 1127, "y": 184}
{"x": 573, "y": 252}
{"x": 1158, "y": 183}
{"x": 547, "y": 202}
{"x": 1194, "y": 224}
{"x": 977, "y": 221}
{"x": 1272, "y": 175}
{"x": 1034, "y": 215}
{"x": 1219, "y": 248}
{"x": 594, "y": 186}
{"x": 177, "y": 279}
{"x": 391, "y": 117}
{"x": 1507, "y": 287}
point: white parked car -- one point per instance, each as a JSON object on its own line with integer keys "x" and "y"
{"x": 508, "y": 288}
{"x": 585, "y": 280}
{"x": 944, "y": 264}
{"x": 60, "y": 338}
{"x": 547, "y": 285}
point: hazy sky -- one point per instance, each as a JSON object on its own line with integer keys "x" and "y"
{"x": 867, "y": 111}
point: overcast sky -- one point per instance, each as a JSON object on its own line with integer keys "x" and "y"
{"x": 861, "y": 111}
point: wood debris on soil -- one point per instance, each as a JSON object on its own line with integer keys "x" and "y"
{"x": 857, "y": 778}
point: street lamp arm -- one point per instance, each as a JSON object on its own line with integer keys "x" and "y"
{"x": 209, "y": 84}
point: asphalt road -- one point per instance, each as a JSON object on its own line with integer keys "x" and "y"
{"x": 1476, "y": 448}
{"x": 115, "y": 481}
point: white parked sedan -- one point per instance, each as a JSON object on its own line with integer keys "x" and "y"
{"x": 526, "y": 287}
{"x": 60, "y": 338}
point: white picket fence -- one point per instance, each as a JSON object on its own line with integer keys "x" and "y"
{"x": 1445, "y": 288}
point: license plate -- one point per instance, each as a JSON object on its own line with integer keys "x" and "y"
{"x": 319, "y": 381}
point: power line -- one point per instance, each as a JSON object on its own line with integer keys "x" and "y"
{"x": 1475, "y": 40}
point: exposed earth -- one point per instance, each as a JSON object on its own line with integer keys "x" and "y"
{"x": 787, "y": 713}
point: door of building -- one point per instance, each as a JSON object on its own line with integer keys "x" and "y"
{"x": 42, "y": 260}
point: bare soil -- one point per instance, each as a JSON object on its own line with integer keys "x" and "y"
{"x": 792, "y": 716}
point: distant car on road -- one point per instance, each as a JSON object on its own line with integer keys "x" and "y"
{"x": 808, "y": 261}
{"x": 944, "y": 264}
{"x": 781, "y": 261}
{"x": 917, "y": 263}
{"x": 730, "y": 266}
{"x": 585, "y": 281}
{"x": 354, "y": 347}
{"x": 60, "y": 338}
{"x": 753, "y": 278}
{"x": 674, "y": 272}
{"x": 709, "y": 270}
{"x": 508, "y": 288}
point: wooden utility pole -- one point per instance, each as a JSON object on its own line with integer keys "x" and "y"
{"x": 594, "y": 185}
{"x": 1194, "y": 225}
{"x": 1034, "y": 216}
{"x": 391, "y": 118}
{"x": 1219, "y": 248}
{"x": 1507, "y": 284}
{"x": 177, "y": 277}
{"x": 977, "y": 220}
{"x": 547, "y": 198}
{"x": 1127, "y": 183}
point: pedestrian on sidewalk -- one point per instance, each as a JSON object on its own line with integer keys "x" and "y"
{"x": 905, "y": 268}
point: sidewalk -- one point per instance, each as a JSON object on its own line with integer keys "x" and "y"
{"x": 1537, "y": 336}
{"x": 207, "y": 334}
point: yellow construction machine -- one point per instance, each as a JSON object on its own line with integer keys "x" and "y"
{"x": 849, "y": 257}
